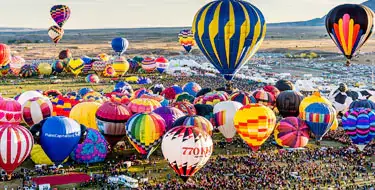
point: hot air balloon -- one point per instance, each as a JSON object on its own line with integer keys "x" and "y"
{"x": 192, "y": 88}
{"x": 144, "y": 80}
{"x": 157, "y": 88}
{"x": 291, "y": 132}
{"x": 109, "y": 71}
{"x": 28, "y": 95}
{"x": 350, "y": 26}
{"x": 57, "y": 66}
{"x": 195, "y": 120}
{"x": 111, "y": 118}
{"x": 224, "y": 113}
{"x": 58, "y": 136}
{"x": 319, "y": 117}
{"x": 4, "y": 70}
{"x": 138, "y": 93}
{"x": 52, "y": 93}
{"x": 184, "y": 96}
{"x": 84, "y": 91}
{"x": 243, "y": 97}
{"x": 10, "y": 111}
{"x": 283, "y": 85}
{"x": 36, "y": 109}
{"x": 186, "y": 149}
{"x": 16, "y": 143}
{"x": 288, "y": 103}
{"x": 254, "y": 123}
{"x": 55, "y": 33}
{"x": 121, "y": 65}
{"x": 229, "y": 32}
{"x": 215, "y": 97}
{"x": 272, "y": 89}
{"x": 75, "y": 66}
{"x": 92, "y": 78}
{"x": 44, "y": 69}
{"x": 103, "y": 57}
{"x": 170, "y": 115}
{"x": 265, "y": 98}
{"x": 145, "y": 132}
{"x": 362, "y": 104}
{"x": 359, "y": 125}
{"x": 84, "y": 113}
{"x": 143, "y": 105}
{"x": 28, "y": 71}
{"x": 186, "y": 107}
{"x": 65, "y": 54}
{"x": 60, "y": 14}
{"x": 15, "y": 65}
{"x": 92, "y": 150}
{"x": 314, "y": 98}
{"x": 62, "y": 105}
{"x": 149, "y": 64}
{"x": 186, "y": 39}
{"x": 5, "y": 56}
{"x": 38, "y": 156}
{"x": 99, "y": 66}
{"x": 119, "y": 45}
{"x": 206, "y": 111}
{"x": 161, "y": 64}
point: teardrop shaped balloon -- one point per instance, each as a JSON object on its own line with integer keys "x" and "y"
{"x": 55, "y": 33}
{"x": 60, "y": 14}
{"x": 120, "y": 45}
{"x": 229, "y": 32}
{"x": 350, "y": 26}
{"x": 186, "y": 39}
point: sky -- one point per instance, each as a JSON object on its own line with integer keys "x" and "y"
{"x": 147, "y": 13}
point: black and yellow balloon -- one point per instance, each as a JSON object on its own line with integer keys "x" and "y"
{"x": 350, "y": 26}
{"x": 229, "y": 32}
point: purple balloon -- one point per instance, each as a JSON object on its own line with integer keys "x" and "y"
{"x": 169, "y": 114}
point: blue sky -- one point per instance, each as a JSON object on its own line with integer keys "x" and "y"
{"x": 146, "y": 13}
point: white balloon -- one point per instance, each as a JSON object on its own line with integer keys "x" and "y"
{"x": 225, "y": 111}
{"x": 27, "y": 96}
{"x": 187, "y": 149}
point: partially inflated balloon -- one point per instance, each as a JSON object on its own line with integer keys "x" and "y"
{"x": 170, "y": 115}
{"x": 254, "y": 123}
{"x": 119, "y": 45}
{"x": 55, "y": 33}
{"x": 229, "y": 32}
{"x": 10, "y": 111}
{"x": 161, "y": 64}
{"x": 350, "y": 26}
{"x": 197, "y": 121}
{"x": 288, "y": 103}
{"x": 76, "y": 66}
{"x": 92, "y": 150}
{"x": 60, "y": 14}
{"x": 44, "y": 69}
{"x": 187, "y": 149}
{"x": 36, "y": 109}
{"x": 145, "y": 132}
{"x": 38, "y": 156}
{"x": 149, "y": 64}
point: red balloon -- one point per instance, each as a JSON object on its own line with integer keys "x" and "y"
{"x": 4, "y": 55}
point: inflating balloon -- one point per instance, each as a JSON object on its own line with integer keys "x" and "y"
{"x": 229, "y": 32}
{"x": 186, "y": 107}
{"x": 44, "y": 69}
{"x": 254, "y": 123}
{"x": 149, "y": 64}
{"x": 16, "y": 143}
{"x": 145, "y": 132}
{"x": 57, "y": 66}
{"x": 92, "y": 78}
{"x": 215, "y": 97}
{"x": 192, "y": 88}
{"x": 265, "y": 98}
{"x": 121, "y": 65}
{"x": 75, "y": 66}
{"x": 362, "y": 104}
{"x": 350, "y": 26}
{"x": 28, "y": 71}
{"x": 143, "y": 105}
{"x": 243, "y": 97}
{"x": 186, "y": 149}
{"x": 288, "y": 103}
{"x": 15, "y": 65}
{"x": 38, "y": 156}
{"x": 161, "y": 64}
{"x": 92, "y": 150}
{"x": 283, "y": 85}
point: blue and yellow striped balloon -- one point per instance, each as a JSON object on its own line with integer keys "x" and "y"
{"x": 319, "y": 117}
{"x": 229, "y": 32}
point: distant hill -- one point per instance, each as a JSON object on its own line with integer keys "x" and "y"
{"x": 318, "y": 21}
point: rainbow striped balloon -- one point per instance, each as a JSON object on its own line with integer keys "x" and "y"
{"x": 197, "y": 121}
{"x": 145, "y": 132}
